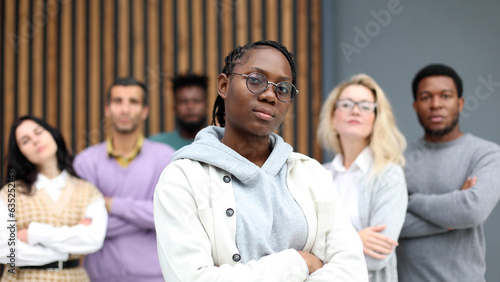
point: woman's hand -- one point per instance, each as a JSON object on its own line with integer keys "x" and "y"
{"x": 313, "y": 263}
{"x": 85, "y": 221}
{"x": 375, "y": 244}
{"x": 22, "y": 235}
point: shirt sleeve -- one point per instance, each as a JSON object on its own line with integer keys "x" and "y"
{"x": 137, "y": 212}
{"x": 462, "y": 209}
{"x": 337, "y": 244}
{"x": 184, "y": 248}
{"x": 24, "y": 254}
{"x": 77, "y": 239}
{"x": 415, "y": 227}
{"x": 389, "y": 209}
{"x": 118, "y": 226}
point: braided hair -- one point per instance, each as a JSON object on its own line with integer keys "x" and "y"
{"x": 234, "y": 58}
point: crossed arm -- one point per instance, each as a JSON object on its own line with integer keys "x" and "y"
{"x": 388, "y": 205}
{"x": 125, "y": 214}
{"x": 466, "y": 207}
{"x": 43, "y": 243}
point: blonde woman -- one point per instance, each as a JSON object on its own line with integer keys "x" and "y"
{"x": 357, "y": 123}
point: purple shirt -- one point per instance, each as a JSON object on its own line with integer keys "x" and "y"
{"x": 129, "y": 252}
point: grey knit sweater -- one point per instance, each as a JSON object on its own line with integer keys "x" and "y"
{"x": 442, "y": 238}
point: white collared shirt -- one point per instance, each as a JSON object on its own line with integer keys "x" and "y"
{"x": 48, "y": 243}
{"x": 52, "y": 186}
{"x": 348, "y": 182}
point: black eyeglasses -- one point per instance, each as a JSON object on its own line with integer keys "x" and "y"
{"x": 257, "y": 83}
{"x": 347, "y": 105}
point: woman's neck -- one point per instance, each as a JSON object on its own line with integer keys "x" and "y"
{"x": 49, "y": 169}
{"x": 351, "y": 150}
{"x": 254, "y": 148}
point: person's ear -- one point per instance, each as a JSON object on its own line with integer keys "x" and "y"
{"x": 145, "y": 113}
{"x": 461, "y": 103}
{"x": 222, "y": 85}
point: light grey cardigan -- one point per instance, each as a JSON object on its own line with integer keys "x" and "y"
{"x": 383, "y": 200}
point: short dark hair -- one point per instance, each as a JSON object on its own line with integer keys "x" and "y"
{"x": 437, "y": 70}
{"x": 234, "y": 58}
{"x": 184, "y": 80}
{"x": 129, "y": 81}
{"x": 24, "y": 171}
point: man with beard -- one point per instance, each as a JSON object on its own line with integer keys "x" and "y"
{"x": 126, "y": 168}
{"x": 190, "y": 95}
{"x": 453, "y": 185}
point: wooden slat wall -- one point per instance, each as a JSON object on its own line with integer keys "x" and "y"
{"x": 59, "y": 57}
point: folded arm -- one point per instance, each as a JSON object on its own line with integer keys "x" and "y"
{"x": 77, "y": 239}
{"x": 129, "y": 216}
{"x": 126, "y": 215}
{"x": 388, "y": 209}
{"x": 415, "y": 227}
{"x": 343, "y": 257}
{"x": 24, "y": 254}
{"x": 463, "y": 208}
{"x": 184, "y": 246}
{"x": 137, "y": 212}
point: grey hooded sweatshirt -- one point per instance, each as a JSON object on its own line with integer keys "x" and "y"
{"x": 268, "y": 218}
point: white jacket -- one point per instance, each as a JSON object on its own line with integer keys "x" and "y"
{"x": 196, "y": 229}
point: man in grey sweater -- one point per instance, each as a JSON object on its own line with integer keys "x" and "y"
{"x": 453, "y": 183}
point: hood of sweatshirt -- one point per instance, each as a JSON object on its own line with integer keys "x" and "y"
{"x": 207, "y": 148}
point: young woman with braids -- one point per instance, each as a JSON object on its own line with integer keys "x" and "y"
{"x": 238, "y": 204}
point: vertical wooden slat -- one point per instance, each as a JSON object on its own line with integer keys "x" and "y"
{"x": 226, "y": 14}
{"x": 80, "y": 78}
{"x": 138, "y": 41}
{"x": 168, "y": 62}
{"x": 66, "y": 70}
{"x": 272, "y": 19}
{"x": 316, "y": 74}
{"x": 182, "y": 36}
{"x": 302, "y": 101}
{"x": 123, "y": 44}
{"x": 153, "y": 68}
{"x": 8, "y": 65}
{"x": 37, "y": 59}
{"x": 213, "y": 59}
{"x": 94, "y": 86}
{"x": 241, "y": 22}
{"x": 197, "y": 45}
{"x": 256, "y": 20}
{"x": 23, "y": 56}
{"x": 109, "y": 46}
{"x": 51, "y": 61}
{"x": 287, "y": 33}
